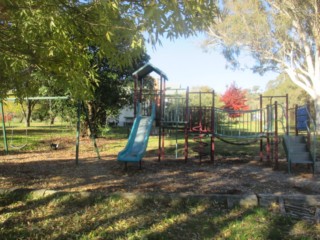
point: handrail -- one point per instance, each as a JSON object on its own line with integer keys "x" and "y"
{"x": 314, "y": 133}
{"x": 230, "y": 111}
{"x": 247, "y": 126}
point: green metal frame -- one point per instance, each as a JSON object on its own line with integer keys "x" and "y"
{"x": 5, "y": 141}
{"x": 40, "y": 98}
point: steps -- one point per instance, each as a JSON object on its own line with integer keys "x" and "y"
{"x": 297, "y": 151}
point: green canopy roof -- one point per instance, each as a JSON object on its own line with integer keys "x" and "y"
{"x": 147, "y": 69}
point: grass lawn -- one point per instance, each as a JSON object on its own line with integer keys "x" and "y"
{"x": 98, "y": 216}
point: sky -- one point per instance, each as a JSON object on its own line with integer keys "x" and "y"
{"x": 186, "y": 64}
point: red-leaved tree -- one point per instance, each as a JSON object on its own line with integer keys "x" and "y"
{"x": 234, "y": 99}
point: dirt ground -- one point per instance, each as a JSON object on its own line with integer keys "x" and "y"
{"x": 56, "y": 169}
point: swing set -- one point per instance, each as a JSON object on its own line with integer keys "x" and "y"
{"x": 54, "y": 144}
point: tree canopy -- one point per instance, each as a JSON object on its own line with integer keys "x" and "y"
{"x": 280, "y": 35}
{"x": 49, "y": 40}
{"x": 201, "y": 96}
{"x": 282, "y": 85}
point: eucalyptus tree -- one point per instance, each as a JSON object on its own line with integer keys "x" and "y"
{"x": 282, "y": 85}
{"x": 281, "y": 36}
{"x": 48, "y": 40}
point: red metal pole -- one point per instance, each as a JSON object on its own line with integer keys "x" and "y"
{"x": 190, "y": 118}
{"x": 276, "y": 139}
{"x": 261, "y": 130}
{"x": 212, "y": 127}
{"x": 200, "y": 113}
{"x": 308, "y": 124}
{"x": 296, "y": 119}
{"x": 160, "y": 118}
{"x": 163, "y": 107}
{"x": 186, "y": 136}
{"x": 268, "y": 148}
{"x": 200, "y": 120}
{"x": 287, "y": 114}
{"x": 140, "y": 94}
{"x": 135, "y": 97}
{"x": 162, "y": 144}
{"x": 269, "y": 124}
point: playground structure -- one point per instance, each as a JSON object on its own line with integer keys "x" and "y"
{"x": 7, "y": 120}
{"x": 195, "y": 116}
{"x": 180, "y": 110}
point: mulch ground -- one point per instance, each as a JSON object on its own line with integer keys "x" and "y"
{"x": 56, "y": 169}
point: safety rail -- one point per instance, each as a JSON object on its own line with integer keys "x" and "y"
{"x": 301, "y": 148}
{"x": 312, "y": 135}
{"x": 237, "y": 124}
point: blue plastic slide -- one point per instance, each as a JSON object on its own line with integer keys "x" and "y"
{"x": 138, "y": 139}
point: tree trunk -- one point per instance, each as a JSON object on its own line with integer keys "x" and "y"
{"x": 52, "y": 119}
{"x": 28, "y": 113}
{"x": 92, "y": 118}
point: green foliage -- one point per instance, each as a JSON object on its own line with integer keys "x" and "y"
{"x": 114, "y": 90}
{"x": 282, "y": 86}
{"x": 253, "y": 96}
{"x": 48, "y": 40}
{"x": 114, "y": 132}
{"x": 201, "y": 95}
